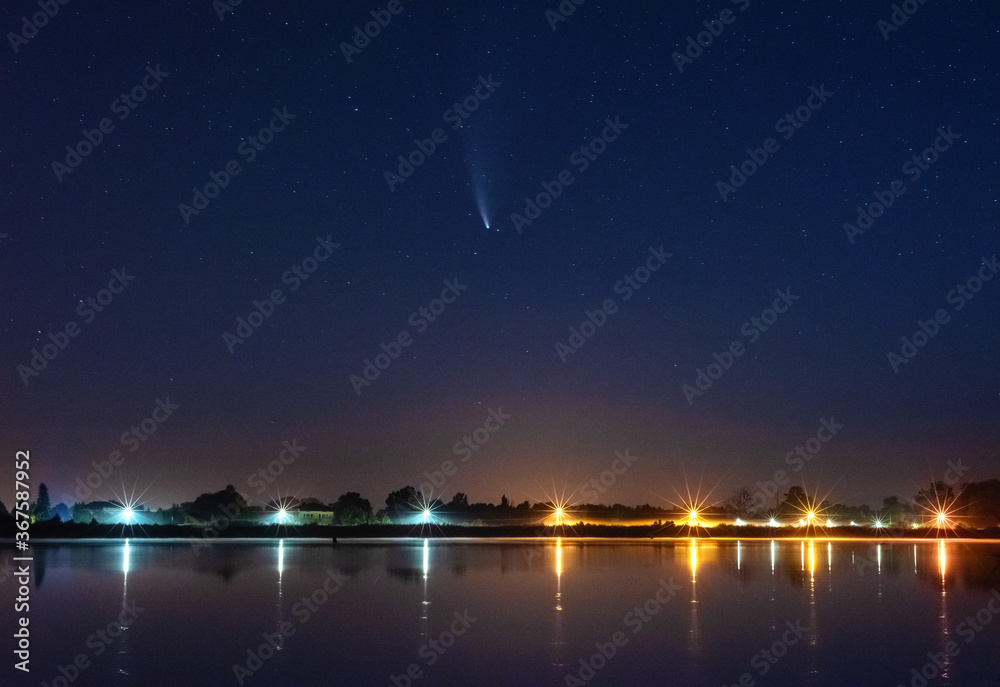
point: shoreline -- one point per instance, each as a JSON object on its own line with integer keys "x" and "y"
{"x": 74, "y": 531}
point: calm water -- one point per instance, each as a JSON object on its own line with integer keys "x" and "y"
{"x": 509, "y": 612}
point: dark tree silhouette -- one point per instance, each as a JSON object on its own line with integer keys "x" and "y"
{"x": 892, "y": 509}
{"x": 795, "y": 501}
{"x": 43, "y": 506}
{"x": 351, "y": 509}
{"x": 405, "y": 500}
{"x": 938, "y": 494}
{"x": 459, "y": 503}
{"x": 740, "y": 502}
{"x": 208, "y": 506}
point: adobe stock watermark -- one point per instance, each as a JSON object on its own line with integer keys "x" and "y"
{"x": 380, "y": 19}
{"x": 122, "y": 106}
{"x": 303, "y": 610}
{"x": 433, "y": 649}
{"x": 767, "y": 658}
{"x": 797, "y": 459}
{"x": 260, "y": 479}
{"x": 957, "y": 298}
{"x": 454, "y": 115}
{"x": 624, "y": 287}
{"x": 786, "y": 126}
{"x": 901, "y": 14}
{"x": 248, "y": 149}
{"x": 753, "y": 329}
{"x": 580, "y": 159}
{"x": 596, "y": 486}
{"x": 420, "y": 319}
{"x": 131, "y": 439}
{"x": 968, "y": 630}
{"x": 696, "y": 45}
{"x": 30, "y": 26}
{"x": 87, "y": 310}
{"x": 913, "y": 169}
{"x": 293, "y": 278}
{"x": 98, "y": 642}
{"x": 634, "y": 620}
{"x": 464, "y": 449}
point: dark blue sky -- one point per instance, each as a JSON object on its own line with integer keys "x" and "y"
{"x": 653, "y": 184}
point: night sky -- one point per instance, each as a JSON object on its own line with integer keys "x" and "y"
{"x": 658, "y": 131}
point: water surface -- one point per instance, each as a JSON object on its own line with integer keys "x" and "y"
{"x": 515, "y": 612}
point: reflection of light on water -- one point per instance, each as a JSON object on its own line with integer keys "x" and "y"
{"x": 281, "y": 558}
{"x": 772, "y": 556}
{"x": 694, "y": 560}
{"x": 942, "y": 561}
{"x": 943, "y": 614}
{"x": 426, "y": 569}
{"x": 829, "y": 557}
{"x": 738, "y": 551}
{"x": 280, "y": 605}
{"x": 559, "y": 641}
{"x": 695, "y": 625}
{"x": 122, "y": 653}
{"x": 559, "y": 570}
{"x": 812, "y": 595}
{"x": 427, "y": 558}
{"x": 425, "y": 604}
{"x": 878, "y": 555}
{"x": 914, "y": 559}
{"x": 802, "y": 547}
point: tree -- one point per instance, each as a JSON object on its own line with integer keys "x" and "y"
{"x": 740, "y": 502}
{"x": 504, "y": 503}
{"x": 217, "y": 505}
{"x": 980, "y": 500}
{"x": 405, "y": 500}
{"x": 81, "y": 513}
{"x": 892, "y": 509}
{"x": 795, "y": 501}
{"x": 43, "y": 506}
{"x": 937, "y": 495}
{"x": 459, "y": 502}
{"x": 351, "y": 509}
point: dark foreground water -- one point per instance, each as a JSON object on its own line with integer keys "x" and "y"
{"x": 512, "y": 612}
